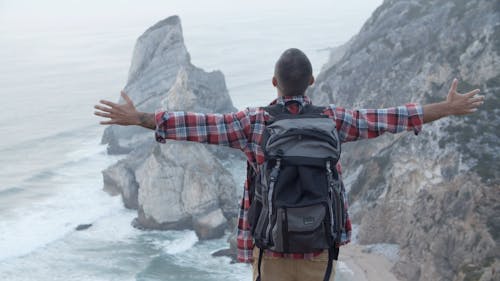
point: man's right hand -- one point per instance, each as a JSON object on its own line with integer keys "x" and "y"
{"x": 124, "y": 114}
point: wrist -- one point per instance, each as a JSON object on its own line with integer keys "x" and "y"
{"x": 435, "y": 111}
{"x": 136, "y": 119}
{"x": 146, "y": 120}
{"x": 446, "y": 109}
{"x": 141, "y": 118}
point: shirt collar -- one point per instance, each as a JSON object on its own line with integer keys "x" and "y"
{"x": 303, "y": 100}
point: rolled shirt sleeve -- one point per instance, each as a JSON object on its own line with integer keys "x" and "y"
{"x": 231, "y": 129}
{"x": 358, "y": 124}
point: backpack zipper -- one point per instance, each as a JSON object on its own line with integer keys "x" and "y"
{"x": 335, "y": 198}
{"x": 273, "y": 177}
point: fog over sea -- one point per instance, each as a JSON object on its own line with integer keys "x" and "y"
{"x": 58, "y": 58}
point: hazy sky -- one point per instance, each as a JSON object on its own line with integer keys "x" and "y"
{"x": 33, "y": 14}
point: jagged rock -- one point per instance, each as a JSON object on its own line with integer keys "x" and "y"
{"x": 81, "y": 227}
{"x": 230, "y": 253}
{"x": 119, "y": 178}
{"x": 435, "y": 195}
{"x": 179, "y": 181}
{"x": 197, "y": 91}
{"x": 210, "y": 225}
{"x": 172, "y": 185}
{"x": 161, "y": 73}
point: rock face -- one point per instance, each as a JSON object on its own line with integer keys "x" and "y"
{"x": 211, "y": 225}
{"x": 180, "y": 183}
{"x": 161, "y": 73}
{"x": 436, "y": 195}
{"x": 177, "y": 185}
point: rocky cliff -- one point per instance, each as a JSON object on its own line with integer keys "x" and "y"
{"x": 176, "y": 185}
{"x": 436, "y": 195}
{"x": 161, "y": 75}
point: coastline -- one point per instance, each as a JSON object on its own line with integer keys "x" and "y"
{"x": 366, "y": 266}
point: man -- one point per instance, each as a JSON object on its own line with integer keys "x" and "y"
{"x": 243, "y": 130}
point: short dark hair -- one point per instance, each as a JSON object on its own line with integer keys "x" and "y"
{"x": 293, "y": 70}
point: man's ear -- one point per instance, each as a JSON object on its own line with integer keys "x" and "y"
{"x": 311, "y": 81}
{"x": 275, "y": 81}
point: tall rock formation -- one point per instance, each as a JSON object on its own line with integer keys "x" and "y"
{"x": 176, "y": 185}
{"x": 436, "y": 195}
{"x": 161, "y": 74}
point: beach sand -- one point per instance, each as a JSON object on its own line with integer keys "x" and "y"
{"x": 366, "y": 266}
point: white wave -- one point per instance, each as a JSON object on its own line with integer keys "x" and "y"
{"x": 45, "y": 222}
{"x": 70, "y": 196}
{"x": 115, "y": 226}
{"x": 200, "y": 257}
{"x": 182, "y": 241}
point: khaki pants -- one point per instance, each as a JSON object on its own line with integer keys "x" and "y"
{"x": 281, "y": 269}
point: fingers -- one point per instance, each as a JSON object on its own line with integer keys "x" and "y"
{"x": 476, "y": 99}
{"x": 454, "y": 85}
{"x": 473, "y": 101}
{"x": 476, "y": 104}
{"x": 126, "y": 97}
{"x": 105, "y": 109}
{"x": 113, "y": 111}
{"x": 108, "y": 103}
{"x": 472, "y": 93}
{"x": 105, "y": 112}
{"x": 102, "y": 114}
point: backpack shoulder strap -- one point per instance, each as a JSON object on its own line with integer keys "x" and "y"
{"x": 278, "y": 109}
{"x": 333, "y": 254}
{"x": 274, "y": 110}
{"x": 312, "y": 109}
{"x": 261, "y": 253}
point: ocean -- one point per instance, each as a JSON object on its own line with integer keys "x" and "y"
{"x": 58, "y": 59}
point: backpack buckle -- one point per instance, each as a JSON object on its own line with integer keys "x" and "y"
{"x": 273, "y": 177}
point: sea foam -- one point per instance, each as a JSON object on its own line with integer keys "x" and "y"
{"x": 49, "y": 213}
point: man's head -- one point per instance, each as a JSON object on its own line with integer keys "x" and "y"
{"x": 292, "y": 73}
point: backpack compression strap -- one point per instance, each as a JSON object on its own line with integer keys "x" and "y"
{"x": 261, "y": 253}
{"x": 333, "y": 254}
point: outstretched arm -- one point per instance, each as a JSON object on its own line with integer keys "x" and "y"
{"x": 230, "y": 129}
{"x": 455, "y": 104}
{"x": 370, "y": 123}
{"x": 124, "y": 114}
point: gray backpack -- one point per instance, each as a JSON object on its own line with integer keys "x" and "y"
{"x": 296, "y": 201}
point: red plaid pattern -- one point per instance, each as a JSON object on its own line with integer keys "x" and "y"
{"x": 243, "y": 130}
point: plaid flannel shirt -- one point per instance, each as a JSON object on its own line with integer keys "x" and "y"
{"x": 243, "y": 130}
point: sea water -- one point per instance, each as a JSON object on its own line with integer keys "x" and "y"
{"x": 57, "y": 59}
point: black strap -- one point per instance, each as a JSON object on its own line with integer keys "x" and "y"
{"x": 261, "y": 252}
{"x": 333, "y": 254}
{"x": 312, "y": 109}
{"x": 274, "y": 110}
{"x": 278, "y": 109}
